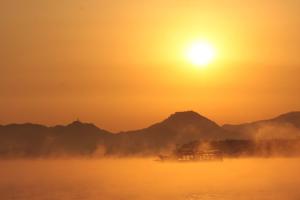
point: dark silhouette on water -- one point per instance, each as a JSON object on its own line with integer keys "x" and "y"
{"x": 193, "y": 151}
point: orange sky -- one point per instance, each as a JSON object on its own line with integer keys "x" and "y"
{"x": 121, "y": 65}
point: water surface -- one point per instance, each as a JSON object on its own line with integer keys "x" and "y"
{"x": 129, "y": 179}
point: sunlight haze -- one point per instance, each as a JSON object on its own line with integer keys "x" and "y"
{"x": 122, "y": 64}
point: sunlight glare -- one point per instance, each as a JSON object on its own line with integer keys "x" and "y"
{"x": 200, "y": 53}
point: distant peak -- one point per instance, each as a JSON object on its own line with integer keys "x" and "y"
{"x": 186, "y": 114}
{"x": 78, "y": 123}
{"x": 293, "y": 113}
{"x": 289, "y": 116}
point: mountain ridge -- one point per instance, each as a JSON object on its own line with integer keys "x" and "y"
{"x": 278, "y": 118}
{"x": 79, "y": 138}
{"x": 289, "y": 121}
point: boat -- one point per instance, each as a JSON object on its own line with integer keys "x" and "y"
{"x": 193, "y": 151}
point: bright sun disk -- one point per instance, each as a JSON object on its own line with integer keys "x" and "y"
{"x": 200, "y": 53}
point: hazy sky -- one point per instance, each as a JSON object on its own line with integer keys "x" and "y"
{"x": 121, "y": 64}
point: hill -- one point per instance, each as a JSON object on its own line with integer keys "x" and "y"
{"x": 178, "y": 128}
{"x": 35, "y": 140}
{"x": 285, "y": 126}
{"x": 85, "y": 139}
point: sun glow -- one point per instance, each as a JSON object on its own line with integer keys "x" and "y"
{"x": 200, "y": 53}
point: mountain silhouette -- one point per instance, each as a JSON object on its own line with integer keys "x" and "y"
{"x": 283, "y": 126}
{"x": 32, "y": 140}
{"x": 178, "y": 128}
{"x": 78, "y": 138}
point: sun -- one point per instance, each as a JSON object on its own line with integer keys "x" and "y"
{"x": 200, "y": 53}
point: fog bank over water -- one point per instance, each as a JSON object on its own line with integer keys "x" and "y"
{"x": 145, "y": 179}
